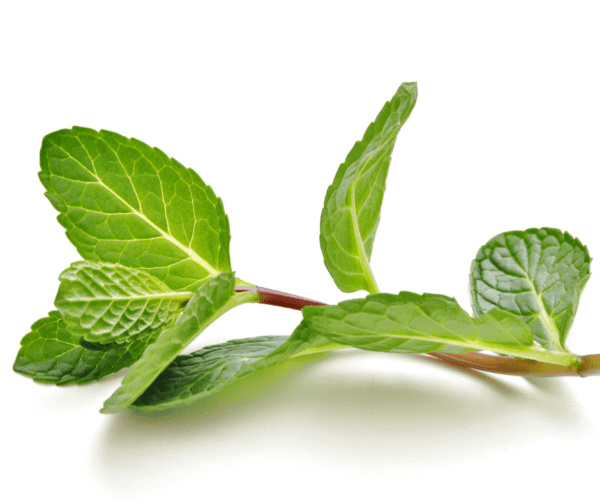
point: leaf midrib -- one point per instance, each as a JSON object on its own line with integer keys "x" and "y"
{"x": 542, "y": 314}
{"x": 530, "y": 352}
{"x": 170, "y": 296}
{"x": 372, "y": 286}
{"x": 546, "y": 320}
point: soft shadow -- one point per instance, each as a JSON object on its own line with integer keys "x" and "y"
{"x": 484, "y": 378}
{"x": 548, "y": 384}
{"x": 426, "y": 411}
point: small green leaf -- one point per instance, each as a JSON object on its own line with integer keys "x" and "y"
{"x": 411, "y": 323}
{"x": 108, "y": 303}
{"x": 124, "y": 202}
{"x": 212, "y": 300}
{"x": 353, "y": 202}
{"x": 538, "y": 275}
{"x": 51, "y": 353}
{"x": 192, "y": 377}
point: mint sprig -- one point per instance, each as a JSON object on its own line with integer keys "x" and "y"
{"x": 157, "y": 272}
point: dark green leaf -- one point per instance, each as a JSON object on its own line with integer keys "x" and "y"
{"x": 51, "y": 353}
{"x": 192, "y": 377}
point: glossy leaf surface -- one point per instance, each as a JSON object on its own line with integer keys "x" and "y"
{"x": 124, "y": 202}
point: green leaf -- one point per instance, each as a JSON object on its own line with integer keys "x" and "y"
{"x": 191, "y": 377}
{"x": 411, "y": 323}
{"x": 538, "y": 275}
{"x": 124, "y": 202}
{"x": 51, "y": 353}
{"x": 212, "y": 300}
{"x": 108, "y": 303}
{"x": 353, "y": 202}
{"x": 197, "y": 375}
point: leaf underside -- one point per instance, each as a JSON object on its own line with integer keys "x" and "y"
{"x": 210, "y": 301}
{"x": 412, "y": 323}
{"x": 537, "y": 274}
{"x": 200, "y": 374}
{"x": 124, "y": 202}
{"x": 352, "y": 205}
{"x": 51, "y": 353}
{"x": 108, "y": 303}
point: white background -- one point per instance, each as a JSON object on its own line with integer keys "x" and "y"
{"x": 264, "y": 100}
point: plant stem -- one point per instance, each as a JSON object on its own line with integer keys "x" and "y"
{"x": 280, "y": 299}
{"x": 590, "y": 364}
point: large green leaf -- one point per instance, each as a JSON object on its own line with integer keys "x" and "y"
{"x": 124, "y": 202}
{"x": 537, "y": 274}
{"x": 212, "y": 300}
{"x": 353, "y": 202}
{"x": 197, "y": 375}
{"x": 108, "y": 303}
{"x": 411, "y": 323}
{"x": 51, "y": 353}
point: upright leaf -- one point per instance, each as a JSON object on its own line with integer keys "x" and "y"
{"x": 200, "y": 374}
{"x": 351, "y": 212}
{"x": 411, "y": 323}
{"x": 108, "y": 303}
{"x": 537, "y": 274}
{"x": 124, "y": 202}
{"x": 212, "y": 300}
{"x": 51, "y": 353}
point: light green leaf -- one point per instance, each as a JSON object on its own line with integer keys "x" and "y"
{"x": 212, "y": 300}
{"x": 197, "y": 375}
{"x": 537, "y": 274}
{"x": 353, "y": 202}
{"x": 51, "y": 353}
{"x": 124, "y": 202}
{"x": 411, "y": 323}
{"x": 108, "y": 303}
